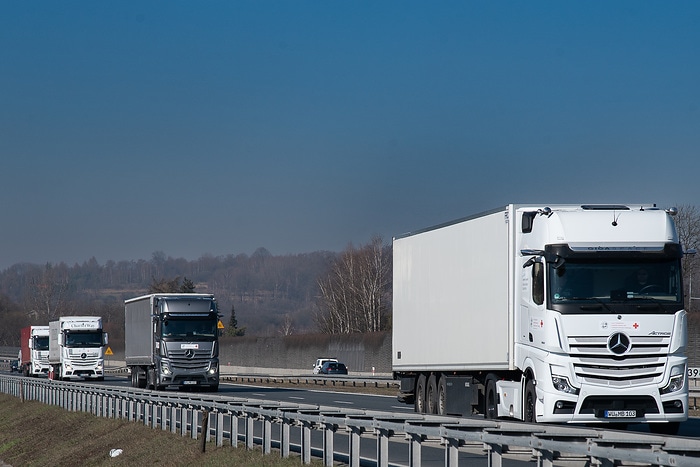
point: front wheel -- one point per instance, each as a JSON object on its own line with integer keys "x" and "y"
{"x": 490, "y": 407}
{"x": 529, "y": 402}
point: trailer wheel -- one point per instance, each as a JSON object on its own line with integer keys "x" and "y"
{"x": 431, "y": 396}
{"x": 442, "y": 396}
{"x": 419, "y": 402}
{"x": 490, "y": 405}
{"x": 529, "y": 401}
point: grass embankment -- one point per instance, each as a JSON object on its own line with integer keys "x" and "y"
{"x": 35, "y": 434}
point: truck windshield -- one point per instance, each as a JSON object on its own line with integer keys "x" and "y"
{"x": 41, "y": 343}
{"x": 84, "y": 339}
{"x": 189, "y": 328}
{"x": 615, "y": 281}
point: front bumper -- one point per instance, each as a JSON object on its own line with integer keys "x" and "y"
{"x": 640, "y": 404}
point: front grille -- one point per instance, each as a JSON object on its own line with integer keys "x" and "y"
{"x": 594, "y": 363}
{"x": 198, "y": 361}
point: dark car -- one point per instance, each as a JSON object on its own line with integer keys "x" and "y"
{"x": 333, "y": 368}
{"x": 14, "y": 366}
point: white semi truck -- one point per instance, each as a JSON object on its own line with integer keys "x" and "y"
{"x": 76, "y": 348}
{"x": 172, "y": 340}
{"x": 34, "y": 351}
{"x": 564, "y": 314}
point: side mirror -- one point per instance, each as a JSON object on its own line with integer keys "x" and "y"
{"x": 31, "y": 343}
{"x": 105, "y": 338}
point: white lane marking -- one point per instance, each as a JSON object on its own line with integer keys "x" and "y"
{"x": 344, "y": 402}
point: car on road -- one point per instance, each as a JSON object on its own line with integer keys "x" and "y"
{"x": 14, "y": 366}
{"x": 333, "y": 368}
{"x": 319, "y": 363}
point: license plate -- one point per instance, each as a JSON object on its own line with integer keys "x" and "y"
{"x": 189, "y": 382}
{"x": 620, "y": 413}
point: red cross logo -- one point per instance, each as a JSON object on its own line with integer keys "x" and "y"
{"x": 635, "y": 325}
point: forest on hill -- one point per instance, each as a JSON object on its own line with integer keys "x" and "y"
{"x": 270, "y": 294}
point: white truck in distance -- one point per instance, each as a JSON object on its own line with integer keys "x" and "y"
{"x": 559, "y": 314}
{"x": 76, "y": 348}
{"x": 34, "y": 351}
{"x": 172, "y": 340}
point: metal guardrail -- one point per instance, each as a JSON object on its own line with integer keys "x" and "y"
{"x": 182, "y": 413}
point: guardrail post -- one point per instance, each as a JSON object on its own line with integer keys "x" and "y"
{"x": 306, "y": 441}
{"x": 414, "y": 449}
{"x": 284, "y": 436}
{"x": 249, "y": 437}
{"x": 219, "y": 427}
{"x": 382, "y": 446}
{"x": 195, "y": 423}
{"x": 183, "y": 420}
{"x": 354, "y": 445}
{"x": 173, "y": 418}
{"x": 147, "y": 407}
{"x": 233, "y": 420}
{"x": 451, "y": 452}
{"x": 267, "y": 434}
{"x": 329, "y": 430}
{"x": 494, "y": 453}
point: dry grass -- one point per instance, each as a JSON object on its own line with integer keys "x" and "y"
{"x": 34, "y": 434}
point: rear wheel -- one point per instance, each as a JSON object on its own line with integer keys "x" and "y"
{"x": 529, "y": 401}
{"x": 419, "y": 402}
{"x": 431, "y": 396}
{"x": 442, "y": 396}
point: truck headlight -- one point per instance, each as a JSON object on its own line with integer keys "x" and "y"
{"x": 562, "y": 384}
{"x": 164, "y": 368}
{"x": 677, "y": 381}
{"x": 100, "y": 363}
{"x": 212, "y": 368}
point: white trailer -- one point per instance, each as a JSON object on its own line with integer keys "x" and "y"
{"x": 535, "y": 313}
{"x": 76, "y": 348}
{"x": 172, "y": 340}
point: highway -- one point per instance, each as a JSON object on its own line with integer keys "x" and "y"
{"x": 351, "y": 400}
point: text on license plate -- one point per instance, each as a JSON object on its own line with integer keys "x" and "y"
{"x": 189, "y": 382}
{"x": 620, "y": 413}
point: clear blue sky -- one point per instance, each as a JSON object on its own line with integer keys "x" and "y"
{"x": 219, "y": 127}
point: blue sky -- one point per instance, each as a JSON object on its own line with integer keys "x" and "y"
{"x": 219, "y": 127}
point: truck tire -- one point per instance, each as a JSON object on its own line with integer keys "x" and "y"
{"x": 431, "y": 395}
{"x": 419, "y": 402}
{"x": 490, "y": 404}
{"x": 442, "y": 396}
{"x": 529, "y": 402}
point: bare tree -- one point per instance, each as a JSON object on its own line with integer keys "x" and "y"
{"x": 47, "y": 292}
{"x": 287, "y": 328}
{"x": 354, "y": 295}
{"x": 688, "y": 226}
